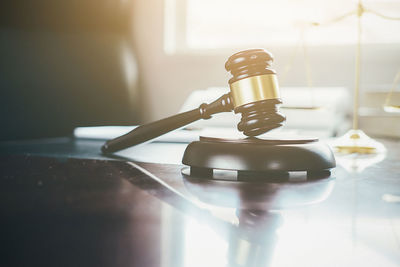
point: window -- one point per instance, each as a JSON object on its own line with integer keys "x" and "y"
{"x": 215, "y": 24}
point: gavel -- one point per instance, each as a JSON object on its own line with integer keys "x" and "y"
{"x": 254, "y": 93}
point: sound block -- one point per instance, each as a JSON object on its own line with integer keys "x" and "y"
{"x": 254, "y": 158}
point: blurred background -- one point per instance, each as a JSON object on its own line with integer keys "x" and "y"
{"x": 74, "y": 63}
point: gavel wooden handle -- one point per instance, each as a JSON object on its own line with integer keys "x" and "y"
{"x": 152, "y": 130}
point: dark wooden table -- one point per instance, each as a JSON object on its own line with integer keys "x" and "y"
{"x": 64, "y": 204}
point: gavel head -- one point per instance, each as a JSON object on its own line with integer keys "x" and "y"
{"x": 254, "y": 91}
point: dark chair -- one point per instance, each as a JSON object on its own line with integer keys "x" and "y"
{"x": 62, "y": 66}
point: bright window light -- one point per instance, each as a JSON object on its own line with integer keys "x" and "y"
{"x": 211, "y": 24}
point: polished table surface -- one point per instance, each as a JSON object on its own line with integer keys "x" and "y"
{"x": 64, "y": 204}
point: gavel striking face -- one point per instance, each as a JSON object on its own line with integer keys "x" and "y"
{"x": 253, "y": 92}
